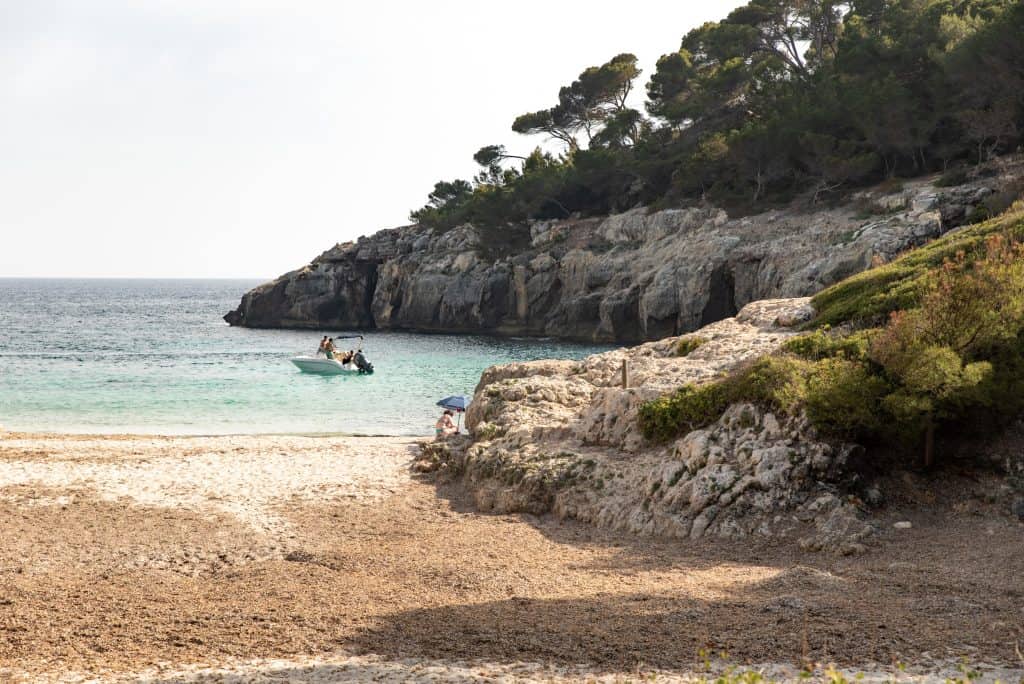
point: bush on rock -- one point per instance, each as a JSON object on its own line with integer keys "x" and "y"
{"x": 952, "y": 357}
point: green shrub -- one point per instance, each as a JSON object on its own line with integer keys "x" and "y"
{"x": 822, "y": 344}
{"x": 689, "y": 408}
{"x": 868, "y": 297}
{"x": 953, "y": 359}
{"x": 971, "y": 305}
{"x": 776, "y": 382}
{"x": 960, "y": 350}
{"x": 842, "y": 399}
{"x": 688, "y": 344}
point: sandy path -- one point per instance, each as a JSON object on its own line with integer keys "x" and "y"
{"x": 173, "y": 558}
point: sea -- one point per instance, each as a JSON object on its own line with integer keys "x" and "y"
{"x": 155, "y": 357}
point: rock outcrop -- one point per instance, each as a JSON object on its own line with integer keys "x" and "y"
{"x": 628, "y": 278}
{"x": 562, "y": 437}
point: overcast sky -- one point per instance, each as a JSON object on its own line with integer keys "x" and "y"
{"x": 241, "y": 138}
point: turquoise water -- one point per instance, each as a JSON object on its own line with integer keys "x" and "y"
{"x": 154, "y": 356}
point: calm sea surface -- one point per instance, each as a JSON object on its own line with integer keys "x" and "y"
{"x": 154, "y": 356}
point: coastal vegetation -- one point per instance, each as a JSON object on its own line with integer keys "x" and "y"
{"x": 781, "y": 98}
{"x": 689, "y": 344}
{"x": 931, "y": 343}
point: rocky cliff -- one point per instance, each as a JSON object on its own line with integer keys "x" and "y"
{"x": 562, "y": 437}
{"x": 628, "y": 278}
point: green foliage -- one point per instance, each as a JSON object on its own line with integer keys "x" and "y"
{"x": 597, "y": 97}
{"x": 557, "y": 122}
{"x": 985, "y": 71}
{"x": 943, "y": 356}
{"x": 688, "y": 408}
{"x": 777, "y": 99}
{"x": 834, "y": 162}
{"x": 952, "y": 359}
{"x": 773, "y": 381}
{"x": 868, "y": 297}
{"x": 822, "y": 344}
{"x": 842, "y": 398}
{"x": 688, "y": 344}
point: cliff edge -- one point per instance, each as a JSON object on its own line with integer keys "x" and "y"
{"x": 626, "y": 278}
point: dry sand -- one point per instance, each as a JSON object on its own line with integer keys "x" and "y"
{"x": 322, "y": 559}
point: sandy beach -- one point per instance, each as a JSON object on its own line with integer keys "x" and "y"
{"x": 289, "y": 558}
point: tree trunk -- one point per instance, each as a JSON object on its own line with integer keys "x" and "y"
{"x": 568, "y": 214}
{"x": 929, "y": 445}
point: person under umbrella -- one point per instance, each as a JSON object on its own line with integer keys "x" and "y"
{"x": 456, "y": 403}
{"x": 444, "y": 425}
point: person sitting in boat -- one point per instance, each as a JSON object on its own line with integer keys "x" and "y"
{"x": 348, "y": 356}
{"x": 322, "y": 349}
{"x": 444, "y": 425}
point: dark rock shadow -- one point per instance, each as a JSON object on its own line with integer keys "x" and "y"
{"x": 636, "y": 552}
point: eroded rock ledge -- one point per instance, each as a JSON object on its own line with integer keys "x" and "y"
{"x": 561, "y": 437}
{"x": 628, "y": 278}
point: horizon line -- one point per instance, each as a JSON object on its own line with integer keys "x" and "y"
{"x": 131, "y": 277}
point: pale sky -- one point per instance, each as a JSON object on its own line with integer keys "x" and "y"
{"x": 241, "y": 138}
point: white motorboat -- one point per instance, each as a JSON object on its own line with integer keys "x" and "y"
{"x": 324, "y": 366}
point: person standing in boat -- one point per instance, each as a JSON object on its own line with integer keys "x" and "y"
{"x": 323, "y": 346}
{"x": 329, "y": 349}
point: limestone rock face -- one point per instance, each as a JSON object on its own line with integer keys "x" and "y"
{"x": 562, "y": 437}
{"x": 335, "y": 290}
{"x": 626, "y": 278}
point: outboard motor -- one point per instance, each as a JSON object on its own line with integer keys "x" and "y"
{"x": 362, "y": 364}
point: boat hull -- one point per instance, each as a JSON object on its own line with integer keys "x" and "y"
{"x": 323, "y": 366}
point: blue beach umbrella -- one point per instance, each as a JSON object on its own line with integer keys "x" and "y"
{"x": 457, "y": 403}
